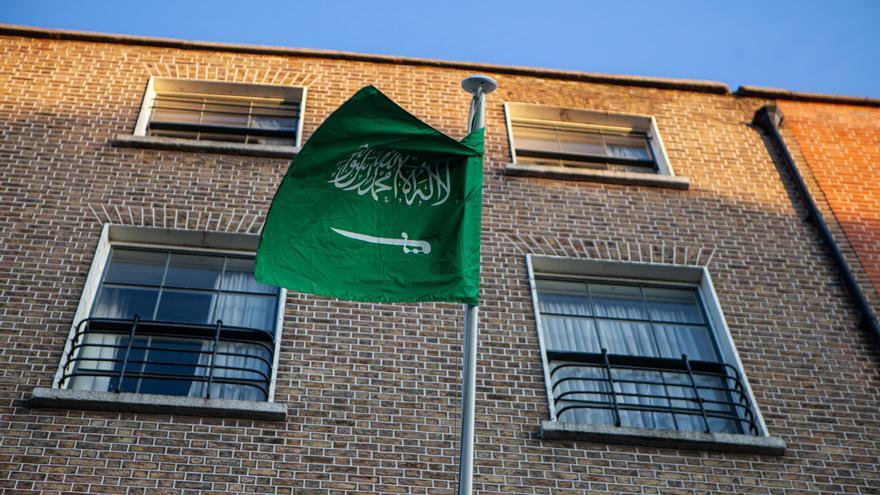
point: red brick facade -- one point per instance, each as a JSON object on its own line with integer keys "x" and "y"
{"x": 372, "y": 388}
{"x": 841, "y": 146}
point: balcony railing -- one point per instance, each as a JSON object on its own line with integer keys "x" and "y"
{"x": 658, "y": 393}
{"x": 172, "y": 358}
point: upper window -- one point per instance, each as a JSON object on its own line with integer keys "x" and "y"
{"x": 543, "y": 135}
{"x": 176, "y": 322}
{"x": 639, "y": 352}
{"x": 218, "y": 111}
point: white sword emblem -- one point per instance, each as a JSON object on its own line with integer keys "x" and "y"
{"x": 409, "y": 246}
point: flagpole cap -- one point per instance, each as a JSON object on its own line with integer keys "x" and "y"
{"x": 472, "y": 83}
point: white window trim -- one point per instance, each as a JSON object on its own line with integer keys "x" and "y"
{"x": 654, "y": 272}
{"x": 143, "y": 121}
{"x": 654, "y": 138}
{"x": 186, "y": 240}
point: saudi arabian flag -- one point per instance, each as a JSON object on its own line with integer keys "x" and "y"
{"x": 378, "y": 206}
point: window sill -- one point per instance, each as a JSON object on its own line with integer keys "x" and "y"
{"x": 54, "y": 398}
{"x": 718, "y": 442}
{"x": 176, "y": 144}
{"x": 603, "y": 176}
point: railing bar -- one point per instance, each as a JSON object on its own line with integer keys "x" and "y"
{"x": 696, "y": 391}
{"x": 611, "y": 385}
{"x": 127, "y": 352}
{"x": 213, "y": 357}
{"x": 284, "y": 113}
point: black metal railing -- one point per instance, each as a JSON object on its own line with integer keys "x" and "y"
{"x": 172, "y": 358}
{"x": 705, "y": 396}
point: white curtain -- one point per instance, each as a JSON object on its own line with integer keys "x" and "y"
{"x": 246, "y": 357}
{"x": 93, "y": 348}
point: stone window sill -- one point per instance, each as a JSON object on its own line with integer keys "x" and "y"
{"x": 177, "y": 144}
{"x": 718, "y": 442}
{"x": 604, "y": 176}
{"x": 54, "y": 398}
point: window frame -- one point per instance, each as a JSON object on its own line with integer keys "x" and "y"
{"x": 143, "y": 121}
{"x": 576, "y": 116}
{"x": 697, "y": 277}
{"x": 176, "y": 240}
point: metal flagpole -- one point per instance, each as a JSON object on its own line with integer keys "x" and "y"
{"x": 478, "y": 87}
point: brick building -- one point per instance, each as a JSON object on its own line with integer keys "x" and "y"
{"x": 644, "y": 246}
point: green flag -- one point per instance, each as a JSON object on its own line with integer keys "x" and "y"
{"x": 378, "y": 206}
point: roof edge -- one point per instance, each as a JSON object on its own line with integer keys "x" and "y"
{"x": 785, "y": 94}
{"x": 694, "y": 85}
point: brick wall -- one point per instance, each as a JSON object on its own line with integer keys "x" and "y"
{"x": 372, "y": 388}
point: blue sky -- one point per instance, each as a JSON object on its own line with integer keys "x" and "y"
{"x": 804, "y": 45}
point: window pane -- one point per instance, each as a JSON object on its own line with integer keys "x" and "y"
{"x": 136, "y": 267}
{"x": 238, "y": 310}
{"x": 273, "y": 122}
{"x": 678, "y": 305}
{"x": 570, "y": 334}
{"x": 618, "y": 301}
{"x": 632, "y": 147}
{"x": 239, "y": 277}
{"x": 568, "y": 298}
{"x": 125, "y": 303}
{"x": 174, "y": 357}
{"x": 693, "y": 341}
{"x": 581, "y": 143}
{"x": 176, "y": 109}
{"x": 628, "y": 338}
{"x": 185, "y": 307}
{"x": 194, "y": 271}
{"x": 225, "y": 115}
{"x": 536, "y": 139}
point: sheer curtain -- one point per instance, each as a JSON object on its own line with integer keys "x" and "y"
{"x": 96, "y": 347}
{"x": 238, "y": 360}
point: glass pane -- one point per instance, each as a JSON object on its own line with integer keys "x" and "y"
{"x": 581, "y": 143}
{"x": 693, "y": 341}
{"x": 678, "y": 305}
{"x": 277, "y": 141}
{"x": 568, "y": 298}
{"x": 216, "y": 136}
{"x": 125, "y": 303}
{"x": 239, "y": 277}
{"x": 618, "y": 301}
{"x": 570, "y": 334}
{"x": 246, "y": 311}
{"x": 175, "y": 358}
{"x": 273, "y": 122}
{"x": 185, "y": 307}
{"x": 194, "y": 271}
{"x": 174, "y": 134}
{"x": 632, "y": 147}
{"x": 176, "y": 110}
{"x": 628, "y": 338}
{"x": 225, "y": 115}
{"x": 536, "y": 139}
{"x": 128, "y": 266}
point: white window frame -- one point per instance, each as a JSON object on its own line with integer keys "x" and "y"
{"x": 645, "y": 123}
{"x": 693, "y": 276}
{"x": 220, "y": 87}
{"x": 179, "y": 240}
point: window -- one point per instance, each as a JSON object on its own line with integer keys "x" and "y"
{"x": 639, "y": 352}
{"x": 582, "y": 139}
{"x": 217, "y": 111}
{"x": 175, "y": 321}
